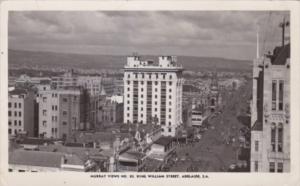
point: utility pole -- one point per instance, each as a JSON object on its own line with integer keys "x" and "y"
{"x": 284, "y": 24}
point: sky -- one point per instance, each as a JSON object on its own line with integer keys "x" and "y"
{"x": 226, "y": 34}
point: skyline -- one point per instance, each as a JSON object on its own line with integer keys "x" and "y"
{"x": 194, "y": 33}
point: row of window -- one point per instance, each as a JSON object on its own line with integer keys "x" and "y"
{"x": 16, "y": 114}
{"x": 16, "y": 105}
{"x": 155, "y": 96}
{"x": 16, "y": 122}
{"x": 149, "y": 102}
{"x": 142, "y": 89}
{"x": 55, "y": 108}
{"x": 15, "y": 131}
{"x": 155, "y": 82}
{"x": 155, "y": 109}
{"x": 271, "y": 166}
{"x": 44, "y": 123}
{"x": 150, "y": 75}
{"x": 142, "y": 115}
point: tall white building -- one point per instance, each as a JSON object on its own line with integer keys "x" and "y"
{"x": 153, "y": 93}
{"x": 59, "y": 111}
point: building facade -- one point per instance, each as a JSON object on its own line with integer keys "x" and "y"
{"x": 59, "y": 112}
{"x": 270, "y": 118}
{"x": 153, "y": 93}
{"x": 21, "y": 113}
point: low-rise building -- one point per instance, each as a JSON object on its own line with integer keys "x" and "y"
{"x": 162, "y": 149}
{"x": 59, "y": 112}
{"x": 21, "y": 115}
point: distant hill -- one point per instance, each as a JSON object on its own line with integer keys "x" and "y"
{"x": 85, "y": 61}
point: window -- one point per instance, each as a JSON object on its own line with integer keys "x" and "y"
{"x": 155, "y": 89}
{"x": 170, "y": 116}
{"x": 64, "y": 123}
{"x": 9, "y": 123}
{"x": 15, "y": 105}
{"x": 128, "y": 102}
{"x": 280, "y": 101}
{"x": 142, "y": 95}
{"x": 142, "y": 109}
{"x": 15, "y": 122}
{"x": 20, "y": 114}
{"x": 156, "y": 83}
{"x": 128, "y": 108}
{"x": 155, "y": 109}
{"x": 9, "y": 113}
{"x": 52, "y": 107}
{"x": 65, "y": 113}
{"x": 20, "y": 122}
{"x": 155, "y": 102}
{"x": 142, "y": 115}
{"x": 128, "y": 77}
{"x": 9, "y": 104}
{"x": 16, "y": 114}
{"x": 170, "y": 110}
{"x": 65, "y": 100}
{"x": 170, "y": 129}
{"x": 128, "y": 82}
{"x": 169, "y": 123}
{"x": 44, "y": 112}
{"x": 128, "y": 114}
{"x": 142, "y": 102}
{"x": 9, "y": 131}
{"x": 170, "y": 90}
{"x": 155, "y": 96}
{"x": 256, "y": 166}
{"x": 170, "y": 103}
{"x": 274, "y": 94}
{"x": 44, "y": 123}
{"x": 273, "y": 136}
{"x": 280, "y": 137}
{"x": 170, "y": 83}
{"x": 170, "y": 76}
{"x": 142, "y": 82}
{"x": 170, "y": 97}
{"x": 142, "y": 89}
{"x": 271, "y": 167}
{"x": 256, "y": 145}
{"x": 128, "y": 89}
{"x": 143, "y": 76}
{"x": 44, "y": 99}
{"x": 280, "y": 167}
{"x": 20, "y": 105}
{"x": 128, "y": 95}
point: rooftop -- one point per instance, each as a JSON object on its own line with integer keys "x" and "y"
{"x": 35, "y": 158}
{"x": 18, "y": 92}
{"x": 164, "y": 141}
